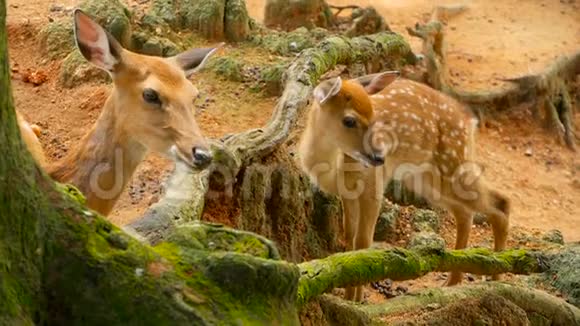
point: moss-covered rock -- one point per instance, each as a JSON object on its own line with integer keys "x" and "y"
{"x": 113, "y": 16}
{"x": 290, "y": 43}
{"x": 215, "y": 237}
{"x": 397, "y": 193}
{"x": 426, "y": 240}
{"x": 479, "y": 219}
{"x": 76, "y": 70}
{"x": 153, "y": 45}
{"x": 228, "y": 67}
{"x": 291, "y": 14}
{"x": 387, "y": 223}
{"x": 554, "y": 236}
{"x": 564, "y": 273}
{"x": 425, "y": 220}
{"x": 272, "y": 77}
{"x": 56, "y": 39}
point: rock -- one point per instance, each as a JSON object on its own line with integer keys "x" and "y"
{"x": 386, "y": 226}
{"x": 426, "y": 240}
{"x": 76, "y": 70}
{"x": 554, "y": 236}
{"x": 153, "y": 45}
{"x": 56, "y": 39}
{"x": 529, "y": 152}
{"x": 397, "y": 193}
{"x": 227, "y": 67}
{"x": 564, "y": 273}
{"x": 272, "y": 77}
{"x": 479, "y": 219}
{"x": 425, "y": 220}
{"x": 290, "y": 14}
{"x": 290, "y": 43}
{"x": 113, "y": 16}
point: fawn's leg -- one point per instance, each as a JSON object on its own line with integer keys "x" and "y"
{"x": 369, "y": 212}
{"x": 498, "y": 216}
{"x": 463, "y": 220}
{"x": 350, "y": 220}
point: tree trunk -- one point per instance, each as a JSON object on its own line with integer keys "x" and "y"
{"x": 213, "y": 19}
{"x": 291, "y": 14}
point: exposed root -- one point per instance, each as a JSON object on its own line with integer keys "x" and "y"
{"x": 364, "y": 266}
{"x": 549, "y": 91}
{"x": 187, "y": 191}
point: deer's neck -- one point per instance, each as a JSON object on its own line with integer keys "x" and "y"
{"x": 319, "y": 156}
{"x": 102, "y": 163}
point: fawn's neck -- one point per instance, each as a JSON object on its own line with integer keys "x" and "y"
{"x": 319, "y": 156}
{"x": 103, "y": 162}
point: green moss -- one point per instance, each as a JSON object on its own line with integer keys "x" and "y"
{"x": 153, "y": 45}
{"x": 212, "y": 237}
{"x": 228, "y": 67}
{"x": 71, "y": 192}
{"x": 289, "y": 43}
{"x": 272, "y": 77}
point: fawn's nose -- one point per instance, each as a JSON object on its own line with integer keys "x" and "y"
{"x": 377, "y": 159}
{"x": 201, "y": 157}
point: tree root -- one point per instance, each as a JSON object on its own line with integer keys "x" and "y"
{"x": 362, "y": 267}
{"x": 549, "y": 91}
{"x": 187, "y": 191}
{"x": 460, "y": 305}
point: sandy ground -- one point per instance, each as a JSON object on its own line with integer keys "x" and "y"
{"x": 494, "y": 39}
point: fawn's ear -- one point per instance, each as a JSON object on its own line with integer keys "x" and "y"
{"x": 327, "y": 89}
{"x": 375, "y": 83}
{"x": 95, "y": 43}
{"x": 193, "y": 60}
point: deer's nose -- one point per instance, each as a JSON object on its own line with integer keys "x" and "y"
{"x": 377, "y": 159}
{"x": 201, "y": 157}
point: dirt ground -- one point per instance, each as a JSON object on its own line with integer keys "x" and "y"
{"x": 494, "y": 39}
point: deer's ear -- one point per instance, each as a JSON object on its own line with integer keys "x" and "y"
{"x": 327, "y": 89}
{"x": 193, "y": 60}
{"x": 95, "y": 43}
{"x": 375, "y": 83}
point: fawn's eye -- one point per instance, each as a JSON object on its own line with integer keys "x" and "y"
{"x": 349, "y": 122}
{"x": 151, "y": 96}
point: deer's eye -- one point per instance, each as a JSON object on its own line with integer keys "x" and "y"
{"x": 151, "y": 96}
{"x": 349, "y": 122}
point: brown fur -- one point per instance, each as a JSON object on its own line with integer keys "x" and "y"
{"x": 30, "y": 135}
{"x": 129, "y": 126}
{"x": 426, "y": 139}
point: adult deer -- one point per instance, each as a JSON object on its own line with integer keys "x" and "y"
{"x": 363, "y": 132}
{"x": 150, "y": 108}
